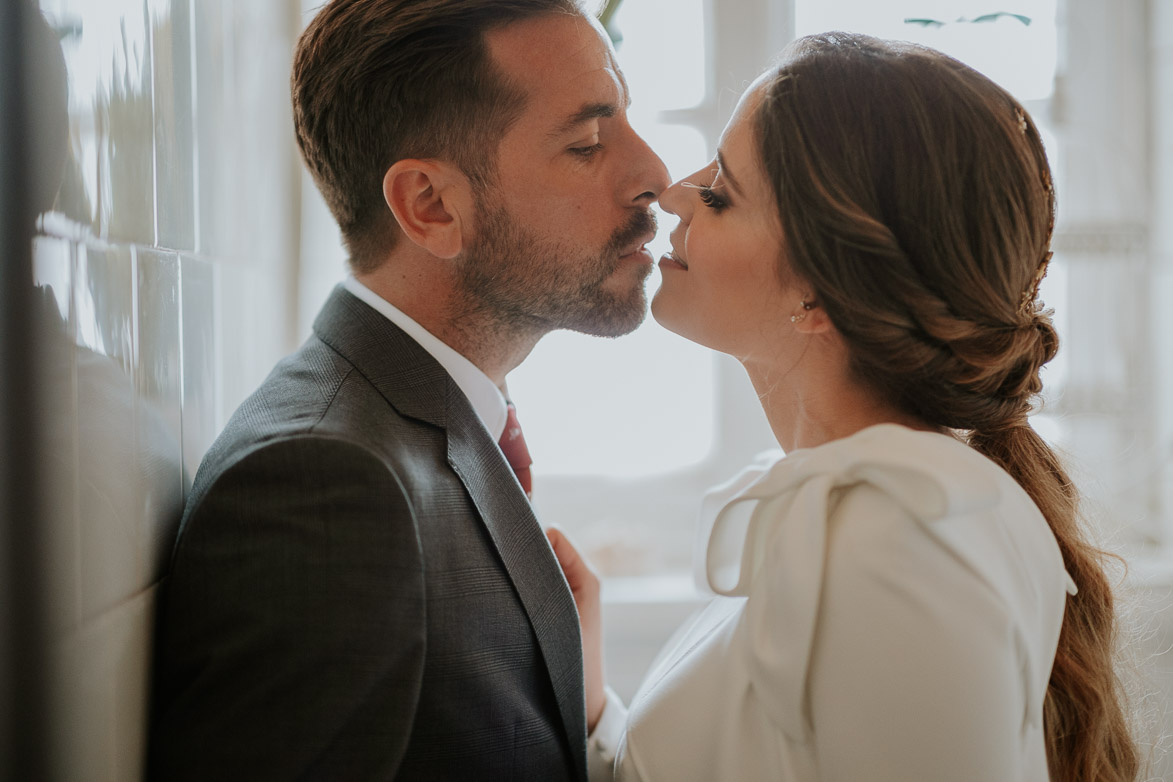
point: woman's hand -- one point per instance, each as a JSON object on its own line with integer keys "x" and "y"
{"x": 584, "y": 585}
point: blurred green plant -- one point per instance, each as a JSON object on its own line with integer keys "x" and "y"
{"x": 1026, "y": 20}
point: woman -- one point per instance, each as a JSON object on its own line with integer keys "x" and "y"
{"x": 908, "y": 595}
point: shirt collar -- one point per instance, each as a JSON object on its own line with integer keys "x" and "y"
{"x": 483, "y": 394}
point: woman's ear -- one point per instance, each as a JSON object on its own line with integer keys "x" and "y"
{"x": 429, "y": 202}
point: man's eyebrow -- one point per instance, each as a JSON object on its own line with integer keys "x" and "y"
{"x": 585, "y": 114}
{"x": 728, "y": 174}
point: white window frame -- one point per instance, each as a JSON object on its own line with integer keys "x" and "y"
{"x": 1112, "y": 117}
{"x": 742, "y": 38}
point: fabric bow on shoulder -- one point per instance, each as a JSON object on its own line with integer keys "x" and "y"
{"x": 763, "y": 536}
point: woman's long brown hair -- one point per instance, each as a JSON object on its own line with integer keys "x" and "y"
{"x": 916, "y": 201}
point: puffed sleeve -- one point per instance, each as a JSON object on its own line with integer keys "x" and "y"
{"x": 916, "y": 670}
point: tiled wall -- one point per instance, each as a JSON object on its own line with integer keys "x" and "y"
{"x": 170, "y": 254}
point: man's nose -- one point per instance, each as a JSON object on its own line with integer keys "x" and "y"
{"x": 649, "y": 175}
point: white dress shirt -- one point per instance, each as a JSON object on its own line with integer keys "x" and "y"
{"x": 889, "y": 608}
{"x": 486, "y": 398}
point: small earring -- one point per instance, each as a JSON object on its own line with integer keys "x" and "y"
{"x": 807, "y": 306}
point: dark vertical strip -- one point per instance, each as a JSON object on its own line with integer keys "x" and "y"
{"x": 23, "y": 648}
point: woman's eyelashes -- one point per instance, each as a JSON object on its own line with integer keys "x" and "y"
{"x": 711, "y": 198}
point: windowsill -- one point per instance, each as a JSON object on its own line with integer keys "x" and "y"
{"x": 640, "y": 613}
{"x": 1151, "y": 568}
{"x": 674, "y": 587}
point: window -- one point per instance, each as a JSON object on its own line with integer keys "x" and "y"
{"x": 1016, "y": 48}
{"x": 1104, "y": 407}
{"x": 649, "y": 393}
{"x": 627, "y": 434}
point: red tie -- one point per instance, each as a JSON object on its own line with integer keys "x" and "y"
{"x": 512, "y": 444}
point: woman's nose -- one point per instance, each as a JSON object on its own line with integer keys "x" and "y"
{"x": 674, "y": 199}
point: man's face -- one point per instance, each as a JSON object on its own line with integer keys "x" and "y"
{"x": 560, "y": 232}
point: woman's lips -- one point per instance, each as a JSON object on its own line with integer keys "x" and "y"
{"x": 673, "y": 261}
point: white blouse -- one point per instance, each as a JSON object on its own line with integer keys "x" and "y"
{"x": 889, "y": 609}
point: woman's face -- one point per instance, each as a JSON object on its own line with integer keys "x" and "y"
{"x": 721, "y": 287}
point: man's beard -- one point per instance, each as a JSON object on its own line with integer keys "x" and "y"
{"x": 521, "y": 282}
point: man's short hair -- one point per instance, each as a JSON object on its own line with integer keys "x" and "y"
{"x": 376, "y": 81}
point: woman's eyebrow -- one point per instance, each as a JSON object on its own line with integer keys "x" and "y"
{"x": 728, "y": 174}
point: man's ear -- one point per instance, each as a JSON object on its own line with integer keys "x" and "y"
{"x": 430, "y": 203}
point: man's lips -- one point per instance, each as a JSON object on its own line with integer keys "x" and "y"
{"x": 637, "y": 246}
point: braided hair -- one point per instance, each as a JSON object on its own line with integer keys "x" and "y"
{"x": 916, "y": 202}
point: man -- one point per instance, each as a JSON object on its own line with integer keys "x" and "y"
{"x": 360, "y": 589}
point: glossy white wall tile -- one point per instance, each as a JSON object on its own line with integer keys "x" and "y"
{"x": 215, "y": 97}
{"x": 53, "y": 272}
{"x": 107, "y": 48}
{"x": 243, "y": 331}
{"x": 167, "y": 265}
{"x": 105, "y": 363}
{"x": 199, "y": 363}
{"x": 158, "y": 404}
{"x": 248, "y": 170}
{"x": 174, "y": 107}
{"x": 180, "y": 139}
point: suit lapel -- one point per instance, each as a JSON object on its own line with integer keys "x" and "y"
{"x": 416, "y": 385}
{"x": 405, "y": 374}
{"x": 526, "y": 552}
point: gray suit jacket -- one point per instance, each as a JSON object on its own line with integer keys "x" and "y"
{"x": 360, "y": 589}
